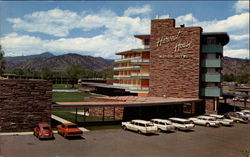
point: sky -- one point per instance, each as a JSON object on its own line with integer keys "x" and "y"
{"x": 103, "y": 28}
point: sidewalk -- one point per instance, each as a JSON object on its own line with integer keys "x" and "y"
{"x": 59, "y": 119}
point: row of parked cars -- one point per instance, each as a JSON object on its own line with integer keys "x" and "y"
{"x": 44, "y": 131}
{"x": 211, "y": 120}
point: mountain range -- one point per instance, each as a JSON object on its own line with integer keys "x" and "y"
{"x": 62, "y": 62}
{"x": 56, "y": 63}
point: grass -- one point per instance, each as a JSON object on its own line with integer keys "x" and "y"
{"x": 69, "y": 96}
{"x": 80, "y": 118}
{"x": 65, "y": 86}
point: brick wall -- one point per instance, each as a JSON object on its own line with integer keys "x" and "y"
{"x": 24, "y": 103}
{"x": 174, "y": 60}
{"x": 210, "y": 106}
{"x": 108, "y": 112}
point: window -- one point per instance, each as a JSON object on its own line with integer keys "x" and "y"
{"x": 146, "y": 41}
{"x": 211, "y": 40}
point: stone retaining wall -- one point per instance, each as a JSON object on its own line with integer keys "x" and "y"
{"x": 24, "y": 103}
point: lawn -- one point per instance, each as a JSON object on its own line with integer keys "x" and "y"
{"x": 69, "y": 96}
{"x": 80, "y": 118}
{"x": 65, "y": 86}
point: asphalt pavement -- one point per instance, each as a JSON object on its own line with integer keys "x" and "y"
{"x": 202, "y": 142}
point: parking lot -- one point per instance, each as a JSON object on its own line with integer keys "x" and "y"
{"x": 202, "y": 142}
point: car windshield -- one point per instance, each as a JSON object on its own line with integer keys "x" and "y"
{"x": 46, "y": 128}
{"x": 72, "y": 126}
{"x": 147, "y": 125}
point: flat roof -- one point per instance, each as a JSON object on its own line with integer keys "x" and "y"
{"x": 133, "y": 51}
{"x": 126, "y": 101}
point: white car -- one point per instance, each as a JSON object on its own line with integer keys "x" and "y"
{"x": 182, "y": 124}
{"x": 140, "y": 126}
{"x": 245, "y": 113}
{"x": 205, "y": 120}
{"x": 223, "y": 120}
{"x": 163, "y": 124}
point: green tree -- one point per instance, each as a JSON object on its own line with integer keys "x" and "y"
{"x": 74, "y": 72}
{"x": 18, "y": 71}
{"x": 229, "y": 77}
{"x": 46, "y": 74}
{"x": 244, "y": 76}
{"x": 2, "y": 67}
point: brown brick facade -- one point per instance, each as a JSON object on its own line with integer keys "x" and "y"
{"x": 210, "y": 106}
{"x": 24, "y": 103}
{"x": 174, "y": 60}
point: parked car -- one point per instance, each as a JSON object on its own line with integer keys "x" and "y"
{"x": 182, "y": 124}
{"x": 244, "y": 114}
{"x": 43, "y": 131}
{"x": 69, "y": 129}
{"x": 140, "y": 126}
{"x": 236, "y": 117}
{"x": 206, "y": 121}
{"x": 223, "y": 120}
{"x": 163, "y": 124}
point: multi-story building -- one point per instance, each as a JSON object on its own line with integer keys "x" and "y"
{"x": 180, "y": 62}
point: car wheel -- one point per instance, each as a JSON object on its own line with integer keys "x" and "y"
{"x": 207, "y": 124}
{"x": 124, "y": 127}
{"x": 159, "y": 129}
{"x": 192, "y": 122}
{"x": 237, "y": 121}
{"x": 139, "y": 132}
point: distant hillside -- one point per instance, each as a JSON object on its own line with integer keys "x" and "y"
{"x": 62, "y": 62}
{"x": 56, "y": 63}
{"x": 232, "y": 65}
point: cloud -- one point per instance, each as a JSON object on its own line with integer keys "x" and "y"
{"x": 187, "y": 19}
{"x": 54, "y": 22}
{"x": 116, "y": 32}
{"x": 137, "y": 10}
{"x": 237, "y": 53}
{"x": 99, "y": 46}
{"x": 241, "y": 6}
{"x": 239, "y": 37}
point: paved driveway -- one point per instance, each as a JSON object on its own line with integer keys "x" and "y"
{"x": 203, "y": 142}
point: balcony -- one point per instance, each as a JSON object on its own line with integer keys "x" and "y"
{"x": 214, "y": 48}
{"x": 140, "y": 75}
{"x": 127, "y": 68}
{"x": 126, "y": 59}
{"x": 213, "y": 77}
{"x": 122, "y": 76}
{"x": 140, "y": 62}
{"x": 211, "y": 92}
{"x": 211, "y": 63}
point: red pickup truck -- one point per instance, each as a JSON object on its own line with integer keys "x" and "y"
{"x": 69, "y": 129}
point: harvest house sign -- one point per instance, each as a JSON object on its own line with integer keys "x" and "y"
{"x": 176, "y": 49}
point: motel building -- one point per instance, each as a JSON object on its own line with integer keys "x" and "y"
{"x": 177, "y": 72}
{"x": 175, "y": 62}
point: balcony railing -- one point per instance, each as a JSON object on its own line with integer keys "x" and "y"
{"x": 127, "y": 68}
{"x": 211, "y": 92}
{"x": 127, "y": 59}
{"x": 213, "y": 48}
{"x": 121, "y": 76}
{"x": 211, "y": 77}
{"x": 211, "y": 63}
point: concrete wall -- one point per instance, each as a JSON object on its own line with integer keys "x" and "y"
{"x": 24, "y": 103}
{"x": 174, "y": 60}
